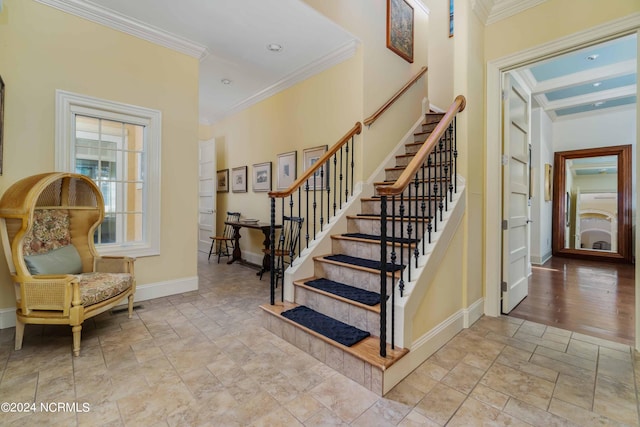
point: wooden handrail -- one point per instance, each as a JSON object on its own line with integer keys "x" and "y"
{"x": 369, "y": 120}
{"x": 418, "y": 160}
{"x": 355, "y": 130}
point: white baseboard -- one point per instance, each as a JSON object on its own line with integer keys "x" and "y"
{"x": 422, "y": 348}
{"x": 473, "y": 312}
{"x": 7, "y": 318}
{"x": 143, "y": 293}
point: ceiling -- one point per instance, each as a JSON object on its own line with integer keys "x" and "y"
{"x": 586, "y": 81}
{"x": 231, "y": 39}
{"x": 237, "y": 70}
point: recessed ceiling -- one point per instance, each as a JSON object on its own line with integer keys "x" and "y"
{"x": 586, "y": 81}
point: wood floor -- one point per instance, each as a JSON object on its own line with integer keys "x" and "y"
{"x": 593, "y": 298}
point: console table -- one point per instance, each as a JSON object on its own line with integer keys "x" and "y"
{"x": 266, "y": 230}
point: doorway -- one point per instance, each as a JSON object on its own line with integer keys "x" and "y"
{"x": 495, "y": 71}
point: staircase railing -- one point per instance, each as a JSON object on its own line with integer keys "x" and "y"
{"x": 418, "y": 199}
{"x": 316, "y": 195}
{"x": 369, "y": 120}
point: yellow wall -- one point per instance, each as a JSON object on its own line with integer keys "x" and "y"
{"x": 43, "y": 49}
{"x": 551, "y": 20}
{"x": 317, "y": 111}
{"x": 440, "y": 53}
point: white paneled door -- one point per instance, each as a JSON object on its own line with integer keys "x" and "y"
{"x": 206, "y": 194}
{"x": 515, "y": 229}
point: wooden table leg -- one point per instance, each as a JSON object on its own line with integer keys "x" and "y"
{"x": 237, "y": 253}
{"x": 266, "y": 259}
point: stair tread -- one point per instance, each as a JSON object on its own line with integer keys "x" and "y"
{"x": 377, "y": 238}
{"x": 367, "y": 300}
{"x": 346, "y": 291}
{"x": 377, "y": 217}
{"x": 367, "y": 350}
{"x": 362, "y": 262}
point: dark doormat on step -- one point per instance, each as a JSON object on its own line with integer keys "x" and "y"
{"x": 363, "y": 262}
{"x": 325, "y": 325}
{"x": 345, "y": 291}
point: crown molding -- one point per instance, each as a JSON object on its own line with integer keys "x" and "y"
{"x": 117, "y": 21}
{"x": 491, "y": 11}
{"x": 339, "y": 55}
{"x": 420, "y": 3}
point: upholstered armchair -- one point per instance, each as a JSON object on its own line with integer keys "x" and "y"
{"x": 47, "y": 225}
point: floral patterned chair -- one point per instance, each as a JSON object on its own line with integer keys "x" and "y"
{"x": 47, "y": 225}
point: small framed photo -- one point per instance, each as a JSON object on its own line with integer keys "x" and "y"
{"x": 222, "y": 181}
{"x": 239, "y": 179}
{"x": 287, "y": 169}
{"x": 311, "y": 157}
{"x": 262, "y": 177}
{"x": 400, "y": 28}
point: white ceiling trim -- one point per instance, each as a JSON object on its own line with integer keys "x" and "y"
{"x": 117, "y": 21}
{"x": 596, "y": 112}
{"x": 491, "y": 11}
{"x": 605, "y": 95}
{"x": 333, "y": 58}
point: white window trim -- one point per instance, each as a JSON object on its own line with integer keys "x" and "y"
{"x": 67, "y": 104}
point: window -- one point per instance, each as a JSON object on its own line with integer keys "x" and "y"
{"x": 118, "y": 147}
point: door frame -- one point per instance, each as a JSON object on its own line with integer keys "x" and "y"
{"x": 493, "y": 127}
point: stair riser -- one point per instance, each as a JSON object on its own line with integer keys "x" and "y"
{"x": 372, "y": 207}
{"x": 429, "y": 127}
{"x": 351, "y": 314}
{"x": 361, "y": 372}
{"x": 372, "y": 227}
{"x": 412, "y": 189}
{"x": 394, "y": 174}
{"x": 368, "y": 250}
{"x": 357, "y": 278}
{"x": 433, "y": 118}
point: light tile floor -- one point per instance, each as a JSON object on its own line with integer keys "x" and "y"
{"x": 203, "y": 359}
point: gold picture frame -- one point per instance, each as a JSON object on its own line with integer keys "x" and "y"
{"x": 548, "y": 182}
{"x": 400, "y": 28}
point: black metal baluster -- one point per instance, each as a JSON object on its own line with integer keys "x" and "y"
{"x": 402, "y": 242}
{"x": 353, "y": 148}
{"x": 340, "y": 178}
{"x": 335, "y": 177}
{"x": 416, "y": 250}
{"x": 443, "y": 192}
{"x": 455, "y": 158}
{"x": 272, "y": 238}
{"x": 383, "y": 277}
{"x": 436, "y": 185}
{"x": 322, "y": 184}
{"x": 346, "y": 182}
{"x": 429, "y": 197}
{"x": 401, "y": 281}
{"x": 423, "y": 207}
{"x": 450, "y": 162}
{"x": 306, "y": 189}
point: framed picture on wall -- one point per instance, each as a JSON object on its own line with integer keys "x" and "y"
{"x": 400, "y": 28}
{"x": 222, "y": 181}
{"x": 239, "y": 179}
{"x": 287, "y": 170}
{"x": 310, "y": 158}
{"x": 262, "y": 177}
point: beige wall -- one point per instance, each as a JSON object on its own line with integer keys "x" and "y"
{"x": 551, "y": 20}
{"x": 43, "y": 49}
{"x": 440, "y": 54}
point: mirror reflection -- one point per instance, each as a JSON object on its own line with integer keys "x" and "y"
{"x": 591, "y": 217}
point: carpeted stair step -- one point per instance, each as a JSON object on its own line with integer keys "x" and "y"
{"x": 397, "y": 239}
{"x": 329, "y": 327}
{"x": 342, "y": 290}
{"x": 362, "y": 262}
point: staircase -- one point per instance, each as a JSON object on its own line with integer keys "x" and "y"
{"x": 344, "y": 289}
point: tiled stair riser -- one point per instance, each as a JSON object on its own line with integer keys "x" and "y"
{"x": 368, "y": 249}
{"x": 394, "y": 174}
{"x": 359, "y": 317}
{"x": 372, "y": 226}
{"x": 357, "y": 278}
{"x": 361, "y": 372}
{"x": 372, "y": 206}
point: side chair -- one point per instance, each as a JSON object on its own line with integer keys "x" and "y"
{"x": 223, "y": 245}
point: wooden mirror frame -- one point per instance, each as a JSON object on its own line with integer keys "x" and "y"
{"x": 624, "y": 253}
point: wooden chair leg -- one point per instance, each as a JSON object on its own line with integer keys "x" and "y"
{"x": 220, "y": 250}
{"x": 130, "y": 306}
{"x": 213, "y": 242}
{"x": 76, "y": 339}
{"x": 19, "y": 334}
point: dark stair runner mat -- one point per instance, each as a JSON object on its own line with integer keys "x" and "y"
{"x": 377, "y": 238}
{"x": 345, "y": 291}
{"x": 331, "y": 328}
{"x": 363, "y": 262}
